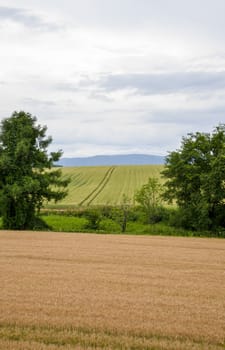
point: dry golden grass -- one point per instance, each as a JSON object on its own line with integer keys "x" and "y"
{"x": 86, "y": 291}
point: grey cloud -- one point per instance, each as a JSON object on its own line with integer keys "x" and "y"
{"x": 68, "y": 87}
{"x": 211, "y": 116}
{"x": 198, "y": 82}
{"x": 100, "y": 96}
{"x": 164, "y": 83}
{"x": 136, "y": 13}
{"x": 84, "y": 86}
{"x": 38, "y": 103}
{"x": 26, "y": 18}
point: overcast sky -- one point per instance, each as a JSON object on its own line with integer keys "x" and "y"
{"x": 114, "y": 76}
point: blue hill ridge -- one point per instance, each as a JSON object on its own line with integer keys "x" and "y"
{"x": 100, "y": 160}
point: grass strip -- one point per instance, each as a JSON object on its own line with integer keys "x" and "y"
{"x": 91, "y": 338}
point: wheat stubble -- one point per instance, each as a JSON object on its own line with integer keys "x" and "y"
{"x": 85, "y": 291}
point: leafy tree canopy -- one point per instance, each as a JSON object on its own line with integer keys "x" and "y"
{"x": 26, "y": 178}
{"x": 149, "y": 197}
{"x": 196, "y": 179}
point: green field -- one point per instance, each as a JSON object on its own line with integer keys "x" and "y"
{"x": 104, "y": 185}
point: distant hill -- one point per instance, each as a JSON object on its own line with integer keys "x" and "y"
{"x": 128, "y": 159}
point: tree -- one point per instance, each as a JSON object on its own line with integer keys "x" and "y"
{"x": 149, "y": 197}
{"x": 196, "y": 179}
{"x": 26, "y": 178}
{"x": 121, "y": 213}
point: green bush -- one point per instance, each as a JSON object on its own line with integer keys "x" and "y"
{"x": 107, "y": 211}
{"x": 93, "y": 216}
{"x": 161, "y": 229}
{"x": 39, "y": 224}
{"x": 109, "y": 225}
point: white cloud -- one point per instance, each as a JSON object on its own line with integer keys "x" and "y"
{"x": 114, "y": 76}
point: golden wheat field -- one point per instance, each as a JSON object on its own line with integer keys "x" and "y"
{"x": 88, "y": 291}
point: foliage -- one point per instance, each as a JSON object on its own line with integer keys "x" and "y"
{"x": 109, "y": 226}
{"x": 159, "y": 229}
{"x": 93, "y": 215}
{"x": 196, "y": 179}
{"x": 24, "y": 182}
{"x": 149, "y": 197}
{"x": 121, "y": 213}
{"x": 64, "y": 223}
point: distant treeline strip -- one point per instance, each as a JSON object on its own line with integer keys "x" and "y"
{"x": 97, "y": 190}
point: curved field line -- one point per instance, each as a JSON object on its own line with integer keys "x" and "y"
{"x": 99, "y": 187}
{"x": 102, "y": 185}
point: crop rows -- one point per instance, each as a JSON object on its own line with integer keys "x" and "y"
{"x": 92, "y": 196}
{"x": 105, "y": 185}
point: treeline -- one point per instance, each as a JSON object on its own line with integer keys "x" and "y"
{"x": 195, "y": 180}
{"x": 194, "y": 183}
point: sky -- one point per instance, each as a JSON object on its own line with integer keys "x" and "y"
{"x": 114, "y": 76}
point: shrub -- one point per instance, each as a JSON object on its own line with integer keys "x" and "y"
{"x": 94, "y": 216}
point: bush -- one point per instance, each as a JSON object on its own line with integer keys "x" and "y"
{"x": 108, "y": 225}
{"x": 94, "y": 217}
{"x": 157, "y": 215}
{"x": 39, "y": 224}
{"x": 107, "y": 211}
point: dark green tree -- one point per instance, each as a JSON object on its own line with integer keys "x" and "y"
{"x": 26, "y": 178}
{"x": 196, "y": 179}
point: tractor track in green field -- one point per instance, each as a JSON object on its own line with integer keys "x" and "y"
{"x": 98, "y": 189}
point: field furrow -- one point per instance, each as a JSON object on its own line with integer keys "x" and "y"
{"x": 91, "y": 196}
{"x": 104, "y": 185}
{"x": 126, "y": 180}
